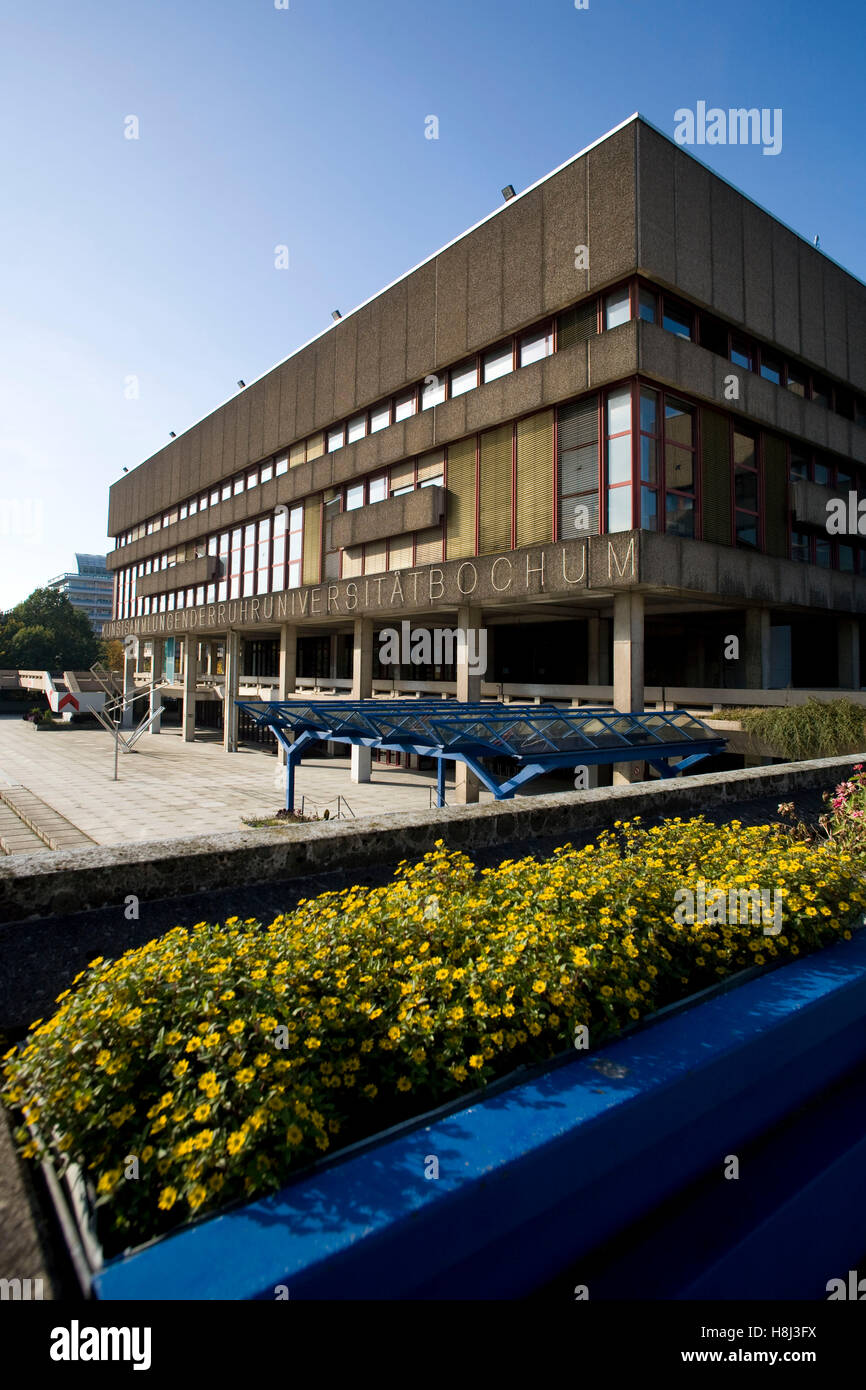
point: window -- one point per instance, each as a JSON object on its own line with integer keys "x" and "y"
{"x": 746, "y": 491}
{"x": 378, "y": 488}
{"x": 184, "y": 511}
{"x": 676, "y": 318}
{"x": 771, "y": 368}
{"x": 464, "y": 378}
{"x": 278, "y": 557}
{"x": 647, "y": 305}
{"x": 267, "y": 472}
{"x": 822, "y": 391}
{"x": 498, "y": 362}
{"x": 332, "y": 552}
{"x": 249, "y": 559}
{"x": 202, "y": 503}
{"x": 380, "y": 417}
{"x": 535, "y": 345}
{"x": 847, "y": 561}
{"x": 226, "y": 491}
{"x": 357, "y": 428}
{"x": 354, "y": 497}
{"x": 796, "y": 381}
{"x": 402, "y": 478}
{"x": 741, "y": 352}
{"x": 235, "y": 570}
{"x": 431, "y": 469}
{"x": 618, "y": 437}
{"x": 214, "y": 498}
{"x": 193, "y": 508}
{"x": 335, "y": 439}
{"x": 617, "y": 308}
{"x": 252, "y": 479}
{"x": 296, "y": 531}
{"x": 238, "y": 486}
{"x": 263, "y": 561}
{"x": 823, "y": 552}
{"x": 799, "y": 466}
{"x": 282, "y": 466}
{"x": 649, "y": 459}
{"x": 405, "y": 405}
{"x": 821, "y": 473}
{"x": 679, "y": 465}
{"x": 433, "y": 391}
{"x": 577, "y": 435}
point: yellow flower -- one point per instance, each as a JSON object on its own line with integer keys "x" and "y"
{"x": 476, "y": 1061}
{"x": 236, "y": 1026}
{"x": 196, "y": 1195}
{"x": 167, "y": 1198}
{"x": 236, "y": 1141}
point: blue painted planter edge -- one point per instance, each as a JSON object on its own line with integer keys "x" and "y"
{"x": 362, "y": 1226}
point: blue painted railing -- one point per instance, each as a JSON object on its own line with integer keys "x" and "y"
{"x": 534, "y": 1179}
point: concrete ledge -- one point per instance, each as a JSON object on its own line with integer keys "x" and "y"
{"x": 77, "y": 880}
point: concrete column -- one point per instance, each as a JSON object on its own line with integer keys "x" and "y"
{"x": 628, "y": 668}
{"x": 757, "y": 648}
{"x": 362, "y": 689}
{"x": 593, "y": 651}
{"x": 190, "y": 676}
{"x": 232, "y": 685}
{"x": 848, "y": 636}
{"x": 466, "y": 784}
{"x": 288, "y": 671}
{"x": 157, "y": 669}
{"x": 130, "y": 661}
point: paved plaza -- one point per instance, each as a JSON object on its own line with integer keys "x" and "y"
{"x": 168, "y": 788}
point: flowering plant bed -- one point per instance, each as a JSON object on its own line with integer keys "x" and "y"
{"x": 212, "y": 1065}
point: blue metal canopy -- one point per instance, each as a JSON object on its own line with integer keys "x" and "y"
{"x": 539, "y": 738}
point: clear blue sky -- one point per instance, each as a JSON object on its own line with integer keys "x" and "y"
{"x": 305, "y": 126}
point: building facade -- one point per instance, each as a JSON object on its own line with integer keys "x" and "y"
{"x": 613, "y": 426}
{"x": 90, "y": 587}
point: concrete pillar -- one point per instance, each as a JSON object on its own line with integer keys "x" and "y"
{"x": 130, "y": 660}
{"x": 628, "y": 668}
{"x": 232, "y": 685}
{"x": 757, "y": 649}
{"x": 157, "y": 668}
{"x": 848, "y": 637}
{"x": 362, "y": 689}
{"x": 466, "y": 784}
{"x": 593, "y": 651}
{"x": 288, "y": 671}
{"x": 190, "y": 676}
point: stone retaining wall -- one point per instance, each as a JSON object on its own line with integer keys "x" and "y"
{"x": 55, "y": 885}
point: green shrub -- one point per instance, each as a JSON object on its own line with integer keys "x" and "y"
{"x": 818, "y": 729}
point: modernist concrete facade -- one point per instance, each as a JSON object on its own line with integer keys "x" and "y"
{"x": 604, "y": 424}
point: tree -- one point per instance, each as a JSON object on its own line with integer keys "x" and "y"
{"x": 45, "y": 632}
{"x": 111, "y": 655}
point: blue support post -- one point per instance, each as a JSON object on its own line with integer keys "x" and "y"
{"x": 440, "y": 781}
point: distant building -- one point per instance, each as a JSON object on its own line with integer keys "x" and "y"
{"x": 90, "y": 588}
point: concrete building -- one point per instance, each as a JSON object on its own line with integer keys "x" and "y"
{"x": 611, "y": 425}
{"x": 90, "y": 587}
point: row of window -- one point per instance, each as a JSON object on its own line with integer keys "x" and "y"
{"x": 626, "y": 459}
{"x": 634, "y": 299}
{"x": 519, "y": 351}
{"x": 639, "y": 299}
